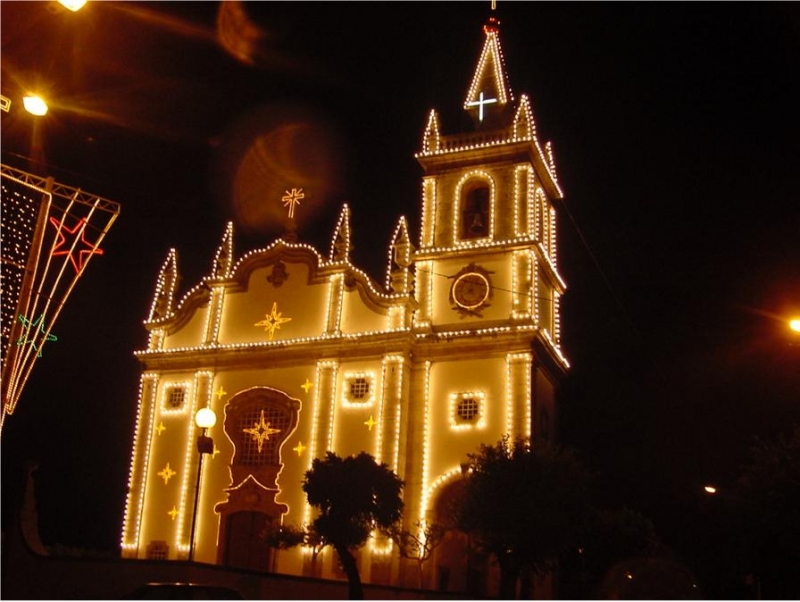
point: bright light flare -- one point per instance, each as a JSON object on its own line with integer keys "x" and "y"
{"x": 35, "y": 105}
{"x": 710, "y": 489}
{"x": 794, "y": 324}
{"x": 73, "y": 5}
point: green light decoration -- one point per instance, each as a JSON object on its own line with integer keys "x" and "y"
{"x": 38, "y": 324}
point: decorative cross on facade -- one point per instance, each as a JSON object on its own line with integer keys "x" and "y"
{"x": 292, "y": 199}
{"x": 261, "y": 431}
{"x": 273, "y": 321}
{"x": 479, "y": 103}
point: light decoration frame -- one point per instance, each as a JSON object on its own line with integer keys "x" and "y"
{"x": 166, "y": 391}
{"x": 483, "y": 176}
{"x": 491, "y": 48}
{"x": 400, "y": 232}
{"x": 132, "y": 521}
{"x": 457, "y": 424}
{"x": 431, "y": 138}
{"x": 396, "y": 397}
{"x": 47, "y": 283}
{"x": 512, "y": 359}
{"x": 166, "y": 283}
{"x": 426, "y": 445}
{"x": 429, "y": 491}
{"x": 429, "y": 211}
{"x": 348, "y": 401}
{"x": 315, "y": 413}
{"x": 182, "y": 543}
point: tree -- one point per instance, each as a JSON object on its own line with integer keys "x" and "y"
{"x": 419, "y": 543}
{"x": 354, "y": 496}
{"x": 524, "y": 506}
{"x": 766, "y": 505}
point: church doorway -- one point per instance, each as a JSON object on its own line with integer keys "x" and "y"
{"x": 245, "y": 546}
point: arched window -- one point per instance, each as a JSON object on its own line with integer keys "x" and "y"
{"x": 475, "y": 206}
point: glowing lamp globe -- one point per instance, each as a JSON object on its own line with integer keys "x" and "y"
{"x": 794, "y": 324}
{"x": 73, "y": 5}
{"x": 205, "y": 418}
{"x": 35, "y": 105}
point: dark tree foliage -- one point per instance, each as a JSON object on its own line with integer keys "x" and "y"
{"x": 525, "y": 506}
{"x": 767, "y": 510}
{"x": 354, "y": 496}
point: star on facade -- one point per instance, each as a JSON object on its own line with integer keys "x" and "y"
{"x": 62, "y": 247}
{"x": 299, "y": 448}
{"x": 261, "y": 431}
{"x": 36, "y": 325}
{"x": 306, "y": 386}
{"x": 160, "y": 428}
{"x": 221, "y": 392}
{"x": 173, "y": 513}
{"x": 292, "y": 199}
{"x": 273, "y": 321}
{"x": 215, "y": 452}
{"x": 167, "y": 473}
{"x": 370, "y": 423}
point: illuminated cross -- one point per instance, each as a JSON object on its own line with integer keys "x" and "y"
{"x": 220, "y": 393}
{"x": 173, "y": 513}
{"x": 273, "y": 321}
{"x": 370, "y": 423}
{"x": 292, "y": 199}
{"x": 60, "y": 247}
{"x": 306, "y": 386}
{"x": 167, "y": 473}
{"x": 37, "y": 324}
{"x": 160, "y": 428}
{"x": 261, "y": 431}
{"x": 299, "y": 448}
{"x": 479, "y": 103}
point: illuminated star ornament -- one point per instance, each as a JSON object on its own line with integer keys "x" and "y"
{"x": 292, "y": 199}
{"x": 306, "y": 386}
{"x": 161, "y": 428}
{"x": 299, "y": 448}
{"x": 61, "y": 247}
{"x": 273, "y": 321}
{"x": 261, "y": 431}
{"x": 370, "y": 423}
{"x": 36, "y": 325}
{"x": 167, "y": 473}
{"x": 173, "y": 513}
{"x": 221, "y": 392}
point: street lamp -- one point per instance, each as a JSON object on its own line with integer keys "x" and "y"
{"x": 794, "y": 324}
{"x": 73, "y": 5}
{"x": 34, "y": 104}
{"x": 205, "y": 418}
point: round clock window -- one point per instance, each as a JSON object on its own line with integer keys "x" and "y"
{"x": 471, "y": 290}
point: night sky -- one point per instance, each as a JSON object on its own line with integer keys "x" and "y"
{"x": 675, "y": 129}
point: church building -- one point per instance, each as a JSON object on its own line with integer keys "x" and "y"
{"x": 298, "y": 352}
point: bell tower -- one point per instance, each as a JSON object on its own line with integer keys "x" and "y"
{"x": 487, "y": 255}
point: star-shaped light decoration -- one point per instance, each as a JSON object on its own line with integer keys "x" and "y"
{"x": 161, "y": 428}
{"x": 61, "y": 247}
{"x": 167, "y": 473}
{"x": 273, "y": 321}
{"x": 299, "y": 448}
{"x": 173, "y": 513}
{"x": 215, "y": 452}
{"x": 292, "y": 199}
{"x": 370, "y": 423}
{"x": 221, "y": 392}
{"x": 306, "y": 386}
{"x": 261, "y": 431}
{"x": 37, "y": 325}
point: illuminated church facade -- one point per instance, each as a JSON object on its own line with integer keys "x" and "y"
{"x": 299, "y": 352}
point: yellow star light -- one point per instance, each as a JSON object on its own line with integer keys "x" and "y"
{"x": 167, "y": 473}
{"x": 160, "y": 428}
{"x": 273, "y": 321}
{"x": 299, "y": 448}
{"x": 173, "y": 513}
{"x": 215, "y": 452}
{"x": 370, "y": 423}
{"x": 261, "y": 431}
{"x": 221, "y": 392}
{"x": 306, "y": 386}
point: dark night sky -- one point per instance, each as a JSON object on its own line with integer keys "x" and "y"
{"x": 675, "y": 128}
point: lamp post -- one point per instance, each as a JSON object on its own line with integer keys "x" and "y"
{"x": 205, "y": 418}
{"x": 466, "y": 469}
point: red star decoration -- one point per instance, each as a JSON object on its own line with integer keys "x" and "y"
{"x": 62, "y": 248}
